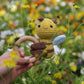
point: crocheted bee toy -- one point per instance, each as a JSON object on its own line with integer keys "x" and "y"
{"x": 45, "y": 29}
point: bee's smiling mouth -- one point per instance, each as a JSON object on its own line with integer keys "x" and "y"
{"x": 45, "y": 28}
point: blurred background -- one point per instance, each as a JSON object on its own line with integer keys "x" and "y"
{"x": 19, "y": 18}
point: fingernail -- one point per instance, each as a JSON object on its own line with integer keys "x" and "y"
{"x": 38, "y": 62}
{"x": 22, "y": 53}
{"x": 26, "y": 58}
{"x": 32, "y": 60}
{"x": 30, "y": 65}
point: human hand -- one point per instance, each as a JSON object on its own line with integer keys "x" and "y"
{"x": 23, "y": 66}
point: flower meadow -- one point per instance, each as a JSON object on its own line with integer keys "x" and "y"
{"x": 19, "y": 18}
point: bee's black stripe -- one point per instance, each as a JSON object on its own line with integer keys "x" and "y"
{"x": 48, "y": 43}
{"x": 51, "y": 50}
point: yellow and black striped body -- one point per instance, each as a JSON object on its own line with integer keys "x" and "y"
{"x": 45, "y": 30}
{"x": 49, "y": 47}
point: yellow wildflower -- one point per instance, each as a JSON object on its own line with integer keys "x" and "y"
{"x": 24, "y": 1}
{"x": 11, "y": 22}
{"x": 17, "y": 3}
{"x": 82, "y": 82}
{"x": 9, "y": 63}
{"x": 25, "y": 6}
{"x": 58, "y": 29}
{"x": 30, "y": 21}
{"x": 72, "y": 63}
{"x": 36, "y": 55}
{"x": 2, "y": 12}
{"x": 73, "y": 67}
{"x": 76, "y": 6}
{"x": 6, "y": 18}
{"x": 32, "y": 24}
{"x": 44, "y": 51}
{"x": 58, "y": 75}
{"x": 62, "y": 28}
{"x": 14, "y": 55}
{"x": 73, "y": 3}
{"x": 70, "y": 42}
{"x": 54, "y": 1}
{"x": 11, "y": 38}
{"x": 65, "y": 30}
{"x": 34, "y": 15}
{"x": 48, "y": 78}
{"x": 36, "y": 5}
{"x": 53, "y": 81}
{"x": 78, "y": 38}
{"x": 57, "y": 60}
{"x": 60, "y": 17}
{"x": 33, "y": 32}
{"x": 79, "y": 15}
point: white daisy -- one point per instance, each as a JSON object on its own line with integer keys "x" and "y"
{"x": 82, "y": 71}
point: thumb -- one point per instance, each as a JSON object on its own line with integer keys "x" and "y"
{"x": 22, "y": 53}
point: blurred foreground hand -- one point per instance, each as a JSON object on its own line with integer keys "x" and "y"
{"x": 24, "y": 63}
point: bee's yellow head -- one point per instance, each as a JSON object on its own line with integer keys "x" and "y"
{"x": 46, "y": 28}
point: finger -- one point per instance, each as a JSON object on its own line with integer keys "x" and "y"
{"x": 22, "y": 53}
{"x": 6, "y": 54}
{"x": 37, "y": 62}
{"x": 18, "y": 67}
{"x": 33, "y": 59}
{"x": 22, "y": 70}
{"x": 28, "y": 57}
{"x": 27, "y": 67}
{"x": 25, "y": 60}
{"x": 22, "y": 60}
{"x": 22, "y": 66}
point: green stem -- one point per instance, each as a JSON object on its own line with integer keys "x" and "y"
{"x": 3, "y": 78}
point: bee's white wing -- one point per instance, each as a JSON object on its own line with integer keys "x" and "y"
{"x": 58, "y": 40}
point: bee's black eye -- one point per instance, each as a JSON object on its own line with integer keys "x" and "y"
{"x": 51, "y": 26}
{"x": 38, "y": 25}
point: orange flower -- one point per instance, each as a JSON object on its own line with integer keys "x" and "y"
{"x": 12, "y": 26}
{"x": 83, "y": 34}
{"x": 67, "y": 1}
{"x": 76, "y": 33}
{"x": 2, "y": 8}
{"x": 82, "y": 27}
{"x": 83, "y": 20}
{"x": 20, "y": 8}
{"x": 71, "y": 18}
{"x": 31, "y": 10}
{"x": 72, "y": 0}
{"x": 75, "y": 25}
{"x": 39, "y": 2}
{"x": 67, "y": 26}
